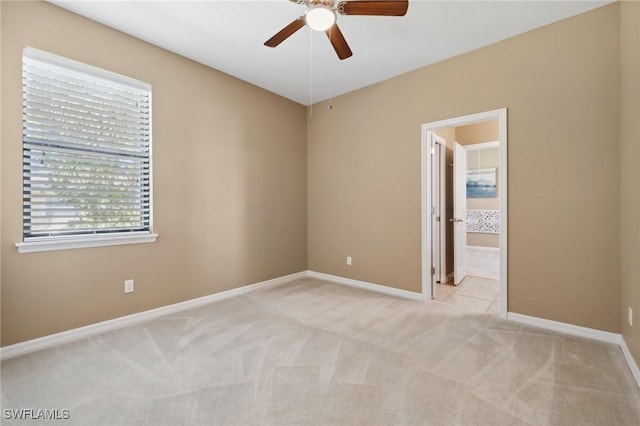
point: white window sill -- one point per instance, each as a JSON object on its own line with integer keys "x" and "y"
{"x": 67, "y": 243}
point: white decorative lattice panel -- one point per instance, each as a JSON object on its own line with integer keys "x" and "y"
{"x": 486, "y": 221}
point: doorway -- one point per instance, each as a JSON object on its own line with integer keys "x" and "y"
{"x": 437, "y": 241}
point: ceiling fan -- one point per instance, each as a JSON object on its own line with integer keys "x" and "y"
{"x": 321, "y": 16}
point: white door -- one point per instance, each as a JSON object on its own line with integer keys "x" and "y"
{"x": 436, "y": 204}
{"x": 442, "y": 215}
{"x": 435, "y": 214}
{"x": 459, "y": 213}
{"x": 435, "y": 236}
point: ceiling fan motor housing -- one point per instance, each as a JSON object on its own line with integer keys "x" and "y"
{"x": 321, "y": 16}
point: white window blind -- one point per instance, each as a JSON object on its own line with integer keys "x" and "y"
{"x": 86, "y": 150}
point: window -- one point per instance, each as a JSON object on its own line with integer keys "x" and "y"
{"x": 86, "y": 151}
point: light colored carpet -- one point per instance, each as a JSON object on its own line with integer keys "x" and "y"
{"x": 312, "y": 352}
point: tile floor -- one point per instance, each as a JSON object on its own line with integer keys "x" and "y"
{"x": 483, "y": 263}
{"x": 480, "y": 290}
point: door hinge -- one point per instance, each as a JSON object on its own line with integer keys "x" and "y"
{"x": 437, "y": 218}
{"x": 433, "y": 270}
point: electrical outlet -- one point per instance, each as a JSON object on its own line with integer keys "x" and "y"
{"x": 128, "y": 286}
{"x": 630, "y": 317}
{"x": 349, "y": 260}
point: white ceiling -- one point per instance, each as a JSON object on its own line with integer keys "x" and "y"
{"x": 229, "y": 36}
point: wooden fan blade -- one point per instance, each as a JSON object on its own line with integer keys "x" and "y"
{"x": 338, "y": 42}
{"x": 373, "y": 8}
{"x": 285, "y": 33}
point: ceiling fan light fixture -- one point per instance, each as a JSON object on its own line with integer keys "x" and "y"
{"x": 320, "y": 18}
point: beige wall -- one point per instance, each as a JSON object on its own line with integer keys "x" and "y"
{"x": 232, "y": 156}
{"x": 630, "y": 170}
{"x": 487, "y": 131}
{"x": 1, "y": 127}
{"x": 561, "y": 86}
{"x": 229, "y": 185}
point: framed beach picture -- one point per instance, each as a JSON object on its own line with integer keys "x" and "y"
{"x": 481, "y": 183}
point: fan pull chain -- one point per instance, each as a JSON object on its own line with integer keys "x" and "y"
{"x": 330, "y": 87}
{"x": 310, "y": 74}
{"x": 330, "y": 107}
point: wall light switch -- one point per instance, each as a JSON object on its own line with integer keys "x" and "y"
{"x": 349, "y": 260}
{"x": 630, "y": 316}
{"x": 128, "y": 286}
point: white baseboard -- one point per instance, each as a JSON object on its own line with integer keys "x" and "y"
{"x": 45, "y": 342}
{"x": 561, "y": 327}
{"x": 633, "y": 366}
{"x": 367, "y": 286}
{"x": 575, "y": 330}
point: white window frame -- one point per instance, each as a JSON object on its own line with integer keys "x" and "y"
{"x": 63, "y": 242}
